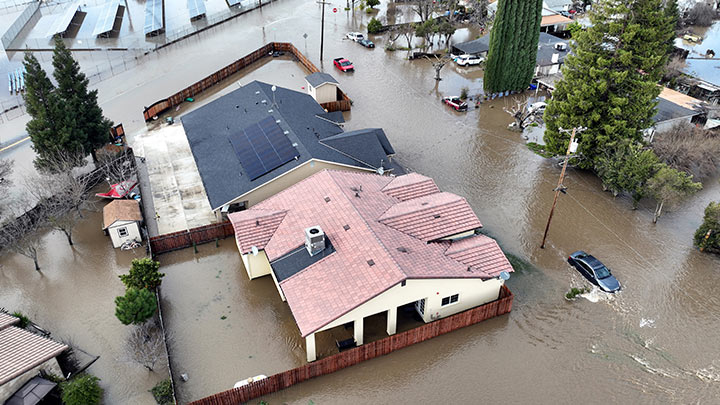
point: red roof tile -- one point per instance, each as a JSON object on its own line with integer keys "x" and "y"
{"x": 255, "y": 227}
{"x": 7, "y": 320}
{"x": 391, "y": 231}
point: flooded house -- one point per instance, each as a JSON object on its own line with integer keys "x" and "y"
{"x": 674, "y": 108}
{"x": 23, "y": 357}
{"x": 342, "y": 246}
{"x": 261, "y": 139}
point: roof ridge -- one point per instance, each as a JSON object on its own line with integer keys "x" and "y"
{"x": 454, "y": 201}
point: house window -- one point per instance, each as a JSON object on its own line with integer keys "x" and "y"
{"x": 123, "y": 232}
{"x": 450, "y": 300}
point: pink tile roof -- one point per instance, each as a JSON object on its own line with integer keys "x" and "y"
{"x": 432, "y": 216}
{"x": 481, "y": 253}
{"x": 396, "y": 245}
{"x": 7, "y": 320}
{"x": 410, "y": 186}
{"x": 255, "y": 227}
{"x": 21, "y": 350}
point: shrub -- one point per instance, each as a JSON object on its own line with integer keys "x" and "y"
{"x": 81, "y": 390}
{"x": 372, "y": 3}
{"x": 163, "y": 392}
{"x": 711, "y": 223}
{"x": 24, "y": 320}
{"x": 574, "y": 292}
{"x": 464, "y": 93}
{"x": 143, "y": 274}
{"x": 136, "y": 306}
{"x": 374, "y": 26}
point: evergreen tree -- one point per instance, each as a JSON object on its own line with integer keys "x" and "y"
{"x": 513, "y": 45}
{"x": 42, "y": 103}
{"x": 136, "y": 306}
{"x": 711, "y": 225}
{"x": 83, "y": 389}
{"x": 610, "y": 80}
{"x": 81, "y": 110}
{"x": 143, "y": 274}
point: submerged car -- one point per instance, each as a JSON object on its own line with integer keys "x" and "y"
{"x": 366, "y": 43}
{"x": 343, "y": 64}
{"x": 456, "y": 103}
{"x": 593, "y": 270}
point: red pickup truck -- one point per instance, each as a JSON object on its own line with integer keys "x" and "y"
{"x": 343, "y": 64}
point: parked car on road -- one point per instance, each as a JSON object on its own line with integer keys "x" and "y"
{"x": 469, "y": 60}
{"x": 355, "y": 36}
{"x": 456, "y": 103}
{"x": 366, "y": 43}
{"x": 343, "y": 64}
{"x": 593, "y": 270}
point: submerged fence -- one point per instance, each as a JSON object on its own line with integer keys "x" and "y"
{"x": 191, "y": 237}
{"x": 359, "y": 354}
{"x": 159, "y": 107}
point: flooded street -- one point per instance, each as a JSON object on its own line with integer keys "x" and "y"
{"x": 654, "y": 342}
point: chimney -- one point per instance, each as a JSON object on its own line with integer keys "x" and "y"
{"x": 314, "y": 240}
{"x": 555, "y": 58}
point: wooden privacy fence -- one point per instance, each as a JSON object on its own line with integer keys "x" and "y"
{"x": 343, "y": 103}
{"x": 195, "y": 236}
{"x": 359, "y": 354}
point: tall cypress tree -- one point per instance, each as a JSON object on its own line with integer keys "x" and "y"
{"x": 82, "y": 112}
{"x": 45, "y": 127}
{"x": 610, "y": 79}
{"x": 513, "y": 45}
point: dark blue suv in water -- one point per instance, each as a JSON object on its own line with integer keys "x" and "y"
{"x": 593, "y": 270}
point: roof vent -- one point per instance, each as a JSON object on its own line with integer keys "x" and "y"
{"x": 402, "y": 249}
{"x": 371, "y": 262}
{"x": 346, "y": 227}
{"x": 425, "y": 203}
{"x": 287, "y": 132}
{"x": 264, "y": 101}
{"x": 277, "y": 121}
{"x": 314, "y": 240}
{"x": 327, "y": 199}
{"x": 436, "y": 216}
{"x": 257, "y": 92}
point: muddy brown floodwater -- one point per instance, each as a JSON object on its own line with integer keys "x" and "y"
{"x": 654, "y": 342}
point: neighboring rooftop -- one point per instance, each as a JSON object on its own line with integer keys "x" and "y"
{"x": 382, "y": 229}
{"x": 317, "y": 79}
{"x": 673, "y": 105}
{"x": 121, "y": 210}
{"x": 302, "y": 121}
{"x": 21, "y": 350}
{"x": 474, "y": 47}
{"x": 7, "y": 320}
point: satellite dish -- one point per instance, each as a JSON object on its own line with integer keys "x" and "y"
{"x": 273, "y": 88}
{"x": 254, "y": 251}
{"x": 505, "y": 275}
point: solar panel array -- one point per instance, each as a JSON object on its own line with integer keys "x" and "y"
{"x": 62, "y": 23}
{"x": 107, "y": 18}
{"x": 262, "y": 147}
{"x": 233, "y": 2}
{"x": 196, "y": 9}
{"x": 154, "y": 18}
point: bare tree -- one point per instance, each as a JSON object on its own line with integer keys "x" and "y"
{"x": 701, "y": 14}
{"x": 438, "y": 63}
{"x": 20, "y": 235}
{"x": 117, "y": 164}
{"x": 690, "y": 149}
{"x": 408, "y": 31}
{"x": 60, "y": 192}
{"x": 145, "y": 344}
{"x": 520, "y": 113}
{"x": 674, "y": 68}
{"x": 6, "y": 167}
{"x": 423, "y": 8}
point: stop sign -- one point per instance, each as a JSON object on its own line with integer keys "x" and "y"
{"x": 334, "y": 9}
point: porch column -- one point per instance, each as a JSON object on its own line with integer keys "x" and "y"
{"x": 358, "y": 329}
{"x": 310, "y": 347}
{"x": 392, "y": 321}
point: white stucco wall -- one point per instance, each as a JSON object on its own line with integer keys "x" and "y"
{"x": 9, "y": 388}
{"x": 133, "y": 232}
{"x": 256, "y": 266}
{"x": 472, "y": 292}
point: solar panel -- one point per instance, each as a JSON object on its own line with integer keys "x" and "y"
{"x": 107, "y": 18}
{"x": 262, "y": 147}
{"x": 154, "y": 17}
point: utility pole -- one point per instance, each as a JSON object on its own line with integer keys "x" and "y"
{"x": 560, "y": 188}
{"x": 322, "y": 31}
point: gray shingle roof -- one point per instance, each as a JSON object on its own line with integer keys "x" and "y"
{"x": 667, "y": 110}
{"x": 474, "y": 47}
{"x": 207, "y": 130}
{"x": 318, "y": 78}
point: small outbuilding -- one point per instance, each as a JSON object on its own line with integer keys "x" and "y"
{"x": 121, "y": 220}
{"x": 322, "y": 87}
